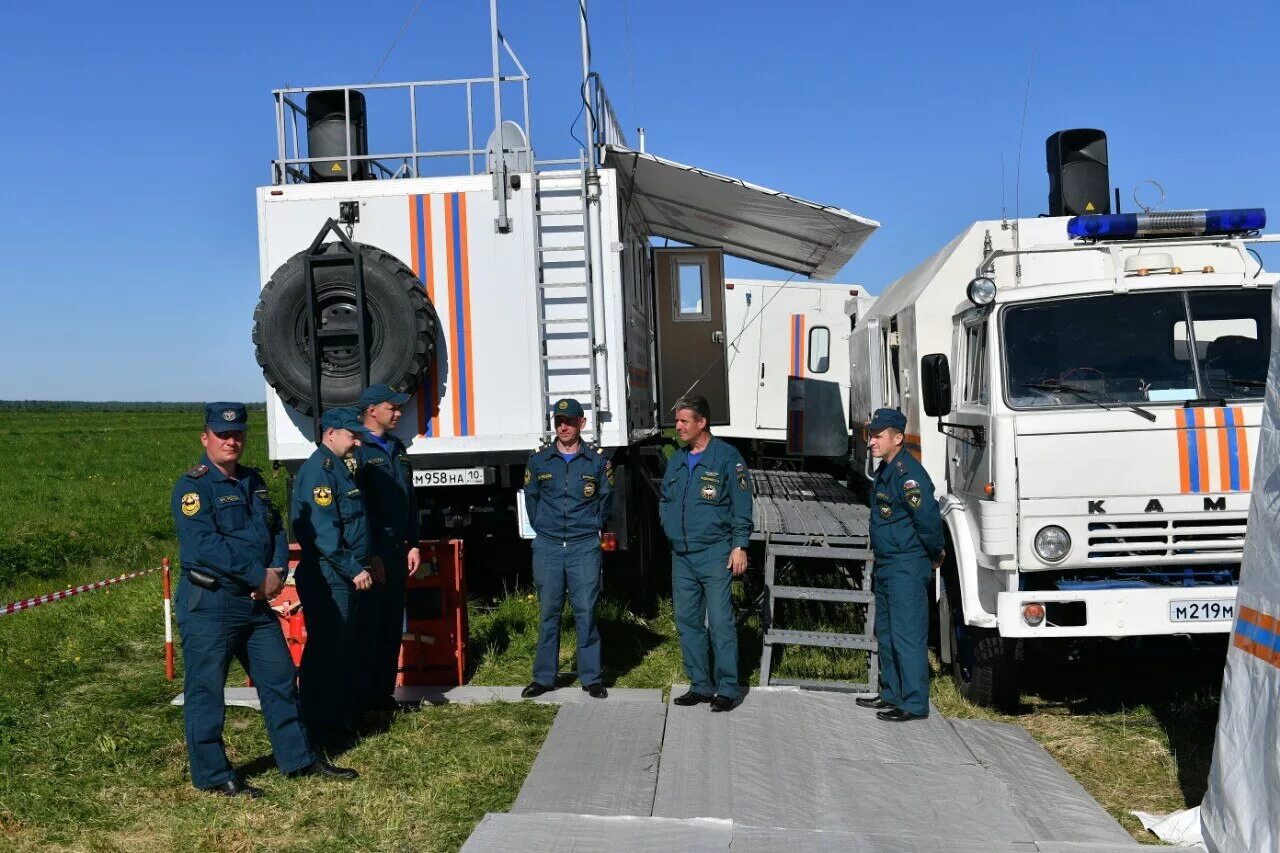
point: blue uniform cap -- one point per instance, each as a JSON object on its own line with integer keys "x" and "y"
{"x": 568, "y": 408}
{"x": 375, "y": 394}
{"x": 341, "y": 418}
{"x": 886, "y": 419}
{"x": 226, "y": 417}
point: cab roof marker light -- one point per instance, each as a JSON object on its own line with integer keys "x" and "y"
{"x": 1174, "y": 223}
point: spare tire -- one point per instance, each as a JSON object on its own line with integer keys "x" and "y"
{"x": 401, "y": 326}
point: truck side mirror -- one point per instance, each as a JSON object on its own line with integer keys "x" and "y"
{"x": 935, "y": 385}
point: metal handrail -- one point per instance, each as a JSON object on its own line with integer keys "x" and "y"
{"x": 608, "y": 130}
{"x": 291, "y": 169}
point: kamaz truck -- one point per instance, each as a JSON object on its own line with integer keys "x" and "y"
{"x": 1085, "y": 391}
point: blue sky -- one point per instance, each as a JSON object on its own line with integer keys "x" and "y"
{"x": 137, "y": 132}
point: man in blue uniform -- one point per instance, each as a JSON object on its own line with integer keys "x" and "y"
{"x": 567, "y": 490}
{"x": 234, "y": 553}
{"x": 386, "y": 480}
{"x": 706, "y": 513}
{"x": 335, "y": 569}
{"x": 907, "y": 541}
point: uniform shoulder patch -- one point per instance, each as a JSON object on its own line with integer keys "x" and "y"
{"x": 198, "y": 471}
{"x": 910, "y": 484}
{"x": 528, "y": 475}
{"x": 190, "y": 503}
{"x": 323, "y": 495}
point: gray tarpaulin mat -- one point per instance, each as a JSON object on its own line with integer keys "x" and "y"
{"x": 768, "y": 757}
{"x": 756, "y": 840}
{"x": 1055, "y": 805}
{"x": 598, "y": 759}
{"x": 566, "y": 833}
{"x": 482, "y": 693}
{"x": 798, "y": 771}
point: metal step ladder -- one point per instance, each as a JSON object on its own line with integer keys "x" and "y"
{"x": 856, "y": 592}
{"x": 563, "y": 250}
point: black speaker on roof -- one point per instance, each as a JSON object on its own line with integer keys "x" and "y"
{"x": 1079, "y": 180}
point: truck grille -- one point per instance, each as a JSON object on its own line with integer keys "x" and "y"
{"x": 1220, "y": 536}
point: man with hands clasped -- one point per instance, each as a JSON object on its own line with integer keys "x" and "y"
{"x": 233, "y": 552}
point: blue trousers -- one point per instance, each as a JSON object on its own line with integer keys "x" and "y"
{"x": 216, "y": 626}
{"x": 382, "y": 628}
{"x": 902, "y": 633}
{"x": 575, "y": 567}
{"x": 701, "y": 595}
{"x": 329, "y": 683}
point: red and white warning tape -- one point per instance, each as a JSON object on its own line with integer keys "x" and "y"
{"x": 67, "y": 593}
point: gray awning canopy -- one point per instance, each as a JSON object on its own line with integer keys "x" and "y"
{"x": 705, "y": 209}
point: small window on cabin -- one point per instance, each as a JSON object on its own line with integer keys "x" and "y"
{"x": 691, "y": 291}
{"x": 819, "y": 349}
{"x": 975, "y": 356}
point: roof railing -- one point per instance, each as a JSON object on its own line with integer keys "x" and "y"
{"x": 290, "y": 164}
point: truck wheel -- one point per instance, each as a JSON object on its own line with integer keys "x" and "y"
{"x": 401, "y": 327}
{"x": 986, "y": 668}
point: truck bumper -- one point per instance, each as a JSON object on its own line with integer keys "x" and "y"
{"x": 1119, "y": 612}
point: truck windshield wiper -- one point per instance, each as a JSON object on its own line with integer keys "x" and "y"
{"x": 1090, "y": 397}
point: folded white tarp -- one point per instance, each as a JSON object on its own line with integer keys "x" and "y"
{"x": 705, "y": 209}
{"x": 1241, "y": 811}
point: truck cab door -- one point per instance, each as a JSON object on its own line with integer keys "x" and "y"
{"x": 969, "y": 461}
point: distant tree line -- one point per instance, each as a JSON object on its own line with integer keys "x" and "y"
{"x": 110, "y": 406}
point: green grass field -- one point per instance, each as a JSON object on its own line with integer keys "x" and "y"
{"x": 92, "y": 755}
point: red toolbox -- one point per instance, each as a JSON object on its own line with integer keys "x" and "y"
{"x": 433, "y": 649}
{"x": 434, "y": 645}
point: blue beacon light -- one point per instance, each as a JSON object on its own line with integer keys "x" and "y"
{"x": 1174, "y": 223}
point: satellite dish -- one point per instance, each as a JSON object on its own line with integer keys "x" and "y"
{"x": 514, "y": 149}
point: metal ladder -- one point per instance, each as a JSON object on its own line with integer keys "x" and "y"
{"x": 563, "y": 251}
{"x": 857, "y": 592}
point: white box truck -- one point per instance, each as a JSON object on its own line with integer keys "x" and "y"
{"x": 488, "y": 282}
{"x": 1085, "y": 394}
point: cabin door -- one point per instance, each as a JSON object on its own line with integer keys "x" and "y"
{"x": 691, "y": 339}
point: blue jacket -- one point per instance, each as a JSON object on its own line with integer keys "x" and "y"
{"x": 227, "y": 526}
{"x": 905, "y": 523}
{"x": 328, "y": 516}
{"x": 386, "y": 479}
{"x": 568, "y": 501}
{"x": 709, "y": 505}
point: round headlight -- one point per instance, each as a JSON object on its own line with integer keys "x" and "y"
{"x": 982, "y": 291}
{"x": 1052, "y": 543}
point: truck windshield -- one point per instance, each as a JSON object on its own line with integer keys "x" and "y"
{"x": 1155, "y": 347}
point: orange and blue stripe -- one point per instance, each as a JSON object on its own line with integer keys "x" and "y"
{"x": 1258, "y": 634}
{"x": 460, "y": 337}
{"x": 420, "y": 252}
{"x": 1193, "y": 450}
{"x": 797, "y": 345}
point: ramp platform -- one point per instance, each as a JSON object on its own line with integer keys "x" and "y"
{"x": 794, "y": 770}
{"x": 802, "y": 506}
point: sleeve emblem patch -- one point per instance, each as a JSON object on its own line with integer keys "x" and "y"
{"x": 588, "y": 489}
{"x": 190, "y": 504}
{"x": 708, "y": 492}
{"x": 528, "y": 475}
{"x": 323, "y": 495}
{"x": 913, "y": 499}
{"x": 910, "y": 484}
{"x": 885, "y": 510}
